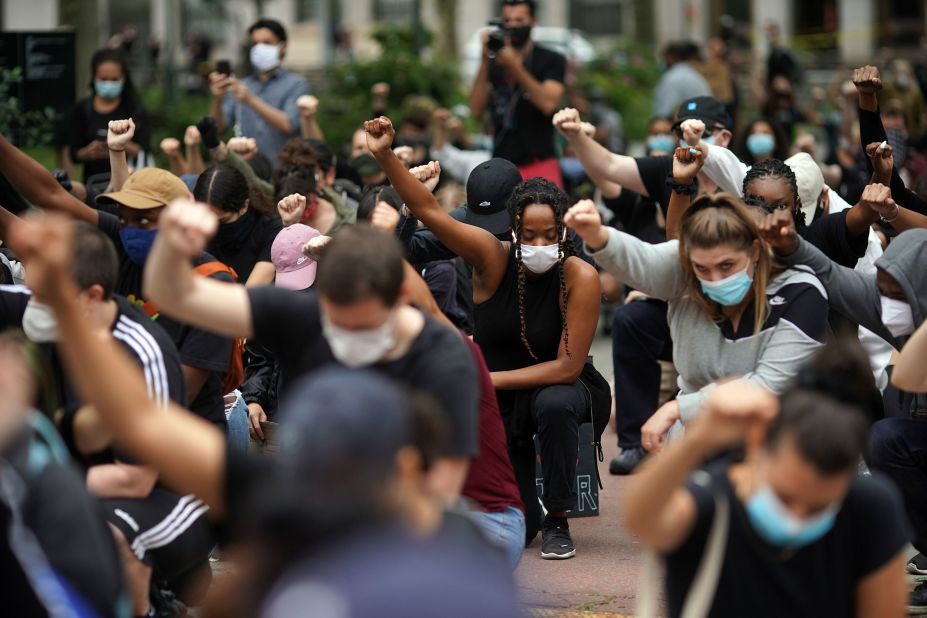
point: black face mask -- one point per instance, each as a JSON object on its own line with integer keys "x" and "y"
{"x": 519, "y": 36}
{"x": 236, "y": 233}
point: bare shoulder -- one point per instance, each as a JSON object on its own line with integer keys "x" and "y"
{"x": 578, "y": 270}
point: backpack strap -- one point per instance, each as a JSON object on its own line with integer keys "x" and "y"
{"x": 209, "y": 269}
{"x": 704, "y": 585}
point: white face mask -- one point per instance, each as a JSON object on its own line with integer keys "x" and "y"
{"x": 265, "y": 57}
{"x": 39, "y": 322}
{"x": 540, "y": 259}
{"x": 897, "y": 317}
{"x": 360, "y": 348}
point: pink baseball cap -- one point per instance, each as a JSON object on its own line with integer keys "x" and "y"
{"x": 295, "y": 271}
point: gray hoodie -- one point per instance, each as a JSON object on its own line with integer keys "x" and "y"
{"x": 704, "y": 351}
{"x": 857, "y": 296}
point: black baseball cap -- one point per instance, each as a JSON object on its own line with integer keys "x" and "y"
{"x": 488, "y": 189}
{"x": 707, "y": 109}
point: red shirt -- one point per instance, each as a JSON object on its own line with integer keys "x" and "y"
{"x": 491, "y": 479}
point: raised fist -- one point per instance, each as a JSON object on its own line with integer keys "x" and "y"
{"x": 119, "y": 133}
{"x": 380, "y": 134}
{"x": 192, "y": 137}
{"x": 692, "y": 131}
{"x": 687, "y": 163}
{"x": 878, "y": 197}
{"x": 867, "y": 80}
{"x": 777, "y": 228}
{"x": 882, "y": 160}
{"x": 584, "y": 218}
{"x": 291, "y": 208}
{"x": 308, "y": 105}
{"x": 187, "y": 226}
{"x": 170, "y": 146}
{"x": 568, "y": 123}
{"x": 384, "y": 217}
{"x": 428, "y": 174}
{"x": 244, "y": 147}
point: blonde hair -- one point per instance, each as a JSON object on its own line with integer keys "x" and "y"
{"x": 720, "y": 219}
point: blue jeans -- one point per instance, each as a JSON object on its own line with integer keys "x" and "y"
{"x": 505, "y": 529}
{"x": 237, "y": 417}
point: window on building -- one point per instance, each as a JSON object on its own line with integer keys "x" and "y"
{"x": 597, "y": 17}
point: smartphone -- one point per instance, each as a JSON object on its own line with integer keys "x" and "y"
{"x": 224, "y": 67}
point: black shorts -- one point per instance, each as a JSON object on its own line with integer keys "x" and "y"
{"x": 170, "y": 533}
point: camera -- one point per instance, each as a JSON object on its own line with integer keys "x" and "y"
{"x": 496, "y": 37}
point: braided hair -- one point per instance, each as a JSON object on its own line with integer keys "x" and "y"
{"x": 527, "y": 193}
{"x": 777, "y": 169}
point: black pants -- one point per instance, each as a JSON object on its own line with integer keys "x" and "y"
{"x": 640, "y": 338}
{"x": 557, "y": 412}
{"x": 898, "y": 449}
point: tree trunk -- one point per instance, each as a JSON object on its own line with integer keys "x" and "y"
{"x": 446, "y": 43}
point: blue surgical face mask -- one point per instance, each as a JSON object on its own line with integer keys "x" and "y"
{"x": 729, "y": 291}
{"x": 661, "y": 143}
{"x": 773, "y": 521}
{"x": 137, "y": 243}
{"x": 108, "y": 89}
{"x": 761, "y": 144}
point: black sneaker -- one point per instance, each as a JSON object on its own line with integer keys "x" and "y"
{"x": 917, "y": 602}
{"x": 556, "y": 542}
{"x": 917, "y": 565}
{"x": 627, "y": 461}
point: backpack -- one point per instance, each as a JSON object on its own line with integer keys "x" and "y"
{"x": 235, "y": 374}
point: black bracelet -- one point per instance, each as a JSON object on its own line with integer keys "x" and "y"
{"x": 690, "y": 189}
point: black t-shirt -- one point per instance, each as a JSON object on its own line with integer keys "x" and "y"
{"x": 637, "y": 216}
{"x": 829, "y": 234}
{"x": 522, "y": 132}
{"x": 243, "y": 254}
{"x": 438, "y": 362}
{"x": 198, "y": 348}
{"x": 66, "y": 530}
{"x": 818, "y": 579}
{"x": 88, "y": 125}
{"x": 654, "y": 171}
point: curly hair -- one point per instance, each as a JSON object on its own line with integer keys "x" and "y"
{"x": 540, "y": 191}
{"x": 776, "y": 169}
{"x": 298, "y": 152}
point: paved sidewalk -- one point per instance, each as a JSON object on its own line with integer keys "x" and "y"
{"x": 602, "y": 579}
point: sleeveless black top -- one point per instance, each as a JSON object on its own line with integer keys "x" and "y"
{"x": 496, "y": 327}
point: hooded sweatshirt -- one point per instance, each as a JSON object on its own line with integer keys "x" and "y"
{"x": 856, "y": 294}
{"x": 705, "y": 351}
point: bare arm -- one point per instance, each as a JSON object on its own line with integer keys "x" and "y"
{"x": 184, "y": 229}
{"x": 475, "y": 245}
{"x": 121, "y": 480}
{"x": 687, "y": 162}
{"x": 170, "y": 146}
{"x": 192, "y": 141}
{"x": 657, "y": 508}
{"x": 883, "y": 592}
{"x": 308, "y": 121}
{"x": 263, "y": 273}
{"x": 544, "y": 95}
{"x": 597, "y": 160}
{"x": 37, "y": 185}
{"x": 118, "y": 137}
{"x": 910, "y": 372}
{"x": 188, "y": 452}
{"x": 583, "y": 300}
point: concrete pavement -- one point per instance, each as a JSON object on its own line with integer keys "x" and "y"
{"x": 602, "y": 579}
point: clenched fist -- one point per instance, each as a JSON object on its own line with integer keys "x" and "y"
{"x": 119, "y": 133}
{"x": 584, "y": 218}
{"x": 568, "y": 123}
{"x": 187, "y": 226}
{"x": 380, "y": 134}
{"x": 170, "y": 146}
{"x": 308, "y": 105}
{"x": 291, "y": 208}
{"x": 428, "y": 174}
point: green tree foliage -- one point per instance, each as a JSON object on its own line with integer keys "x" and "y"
{"x": 27, "y": 128}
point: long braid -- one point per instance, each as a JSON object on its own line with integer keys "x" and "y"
{"x": 540, "y": 191}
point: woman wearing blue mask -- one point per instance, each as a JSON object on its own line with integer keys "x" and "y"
{"x": 113, "y": 98}
{"x": 762, "y": 142}
{"x": 791, "y": 530}
{"x": 732, "y": 311}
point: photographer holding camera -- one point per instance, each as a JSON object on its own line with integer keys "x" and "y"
{"x": 522, "y": 84}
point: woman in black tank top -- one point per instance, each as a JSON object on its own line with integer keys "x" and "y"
{"x": 536, "y": 308}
